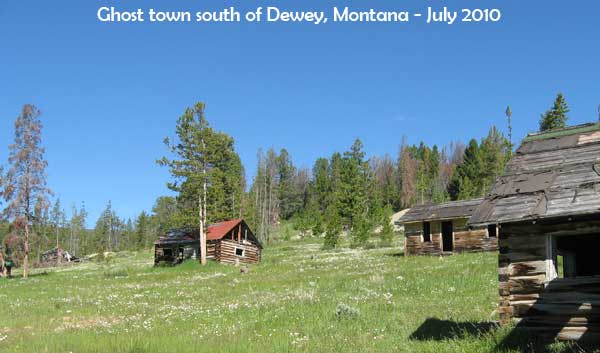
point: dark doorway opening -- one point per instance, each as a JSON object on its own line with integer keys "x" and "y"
{"x": 426, "y": 232}
{"x": 447, "y": 241}
{"x": 577, "y": 256}
{"x": 492, "y": 231}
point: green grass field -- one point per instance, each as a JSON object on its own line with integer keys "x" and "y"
{"x": 291, "y": 302}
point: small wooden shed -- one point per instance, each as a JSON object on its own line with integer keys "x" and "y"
{"x": 442, "y": 229}
{"x": 547, "y": 206}
{"x": 229, "y": 242}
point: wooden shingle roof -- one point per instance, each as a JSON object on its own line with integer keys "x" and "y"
{"x": 447, "y": 210}
{"x": 552, "y": 174}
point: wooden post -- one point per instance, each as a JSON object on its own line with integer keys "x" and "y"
{"x": 240, "y": 233}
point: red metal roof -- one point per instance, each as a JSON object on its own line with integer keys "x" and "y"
{"x": 219, "y": 230}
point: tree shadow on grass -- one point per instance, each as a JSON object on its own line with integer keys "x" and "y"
{"x": 434, "y": 329}
{"x": 31, "y": 275}
{"x": 395, "y": 254}
{"x": 439, "y": 330}
{"x": 519, "y": 340}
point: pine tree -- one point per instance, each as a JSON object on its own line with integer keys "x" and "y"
{"x": 77, "y": 229}
{"x": 40, "y": 226}
{"x": 360, "y": 232}
{"x": 461, "y": 186}
{"x": 387, "y": 230}
{"x": 290, "y": 197}
{"x": 423, "y": 186}
{"x": 56, "y": 216}
{"x": 105, "y": 230}
{"x": 141, "y": 231}
{"x": 333, "y": 229}
{"x": 207, "y": 171}
{"x": 164, "y": 213}
{"x": 407, "y": 176}
{"x": 556, "y": 117}
{"x": 80, "y": 223}
{"x": 25, "y": 182}
{"x": 481, "y": 165}
{"x": 320, "y": 183}
{"x": 494, "y": 156}
{"x": 354, "y": 182}
{"x": 336, "y": 164}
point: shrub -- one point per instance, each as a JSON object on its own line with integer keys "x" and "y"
{"x": 343, "y": 311}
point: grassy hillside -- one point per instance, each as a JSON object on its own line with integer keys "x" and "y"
{"x": 299, "y": 299}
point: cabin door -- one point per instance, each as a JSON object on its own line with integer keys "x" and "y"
{"x": 447, "y": 237}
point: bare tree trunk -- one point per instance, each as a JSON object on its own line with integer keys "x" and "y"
{"x": 27, "y": 213}
{"x": 26, "y": 249}
{"x": 270, "y": 210}
{"x": 110, "y": 233}
{"x": 57, "y": 252}
{"x": 202, "y": 210}
{"x": 2, "y": 267}
{"x": 264, "y": 209}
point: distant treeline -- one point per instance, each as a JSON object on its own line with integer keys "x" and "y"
{"x": 346, "y": 191}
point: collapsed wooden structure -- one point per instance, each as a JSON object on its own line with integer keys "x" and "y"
{"x": 547, "y": 206}
{"x": 56, "y": 256}
{"x": 228, "y": 242}
{"x": 443, "y": 229}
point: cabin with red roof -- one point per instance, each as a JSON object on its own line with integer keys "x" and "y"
{"x": 229, "y": 242}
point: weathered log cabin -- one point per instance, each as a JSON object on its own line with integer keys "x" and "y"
{"x": 443, "y": 229}
{"x": 547, "y": 206}
{"x": 228, "y": 242}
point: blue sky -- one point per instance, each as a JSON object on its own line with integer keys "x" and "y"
{"x": 110, "y": 93}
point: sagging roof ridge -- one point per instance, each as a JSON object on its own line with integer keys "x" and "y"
{"x": 566, "y": 131}
{"x": 540, "y": 151}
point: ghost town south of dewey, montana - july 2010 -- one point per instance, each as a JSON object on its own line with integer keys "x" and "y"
{"x": 268, "y": 14}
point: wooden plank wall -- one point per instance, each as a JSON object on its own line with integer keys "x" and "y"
{"x": 225, "y": 252}
{"x": 465, "y": 240}
{"x": 414, "y": 244}
{"x": 472, "y": 240}
{"x": 563, "y": 308}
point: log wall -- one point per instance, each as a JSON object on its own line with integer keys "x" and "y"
{"x": 472, "y": 240}
{"x": 225, "y": 252}
{"x": 414, "y": 244}
{"x": 465, "y": 240}
{"x": 530, "y": 293}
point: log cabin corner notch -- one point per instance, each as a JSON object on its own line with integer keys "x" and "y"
{"x": 442, "y": 229}
{"x": 229, "y": 242}
{"x": 548, "y": 205}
